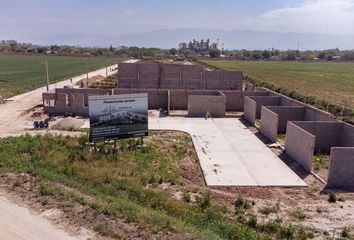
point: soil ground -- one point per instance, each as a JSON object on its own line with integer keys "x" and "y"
{"x": 306, "y": 208}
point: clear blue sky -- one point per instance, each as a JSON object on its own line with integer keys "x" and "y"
{"x": 33, "y": 18}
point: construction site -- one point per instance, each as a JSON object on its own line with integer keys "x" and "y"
{"x": 250, "y": 143}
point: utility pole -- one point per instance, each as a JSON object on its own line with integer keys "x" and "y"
{"x": 87, "y": 79}
{"x": 106, "y": 69}
{"x": 46, "y": 73}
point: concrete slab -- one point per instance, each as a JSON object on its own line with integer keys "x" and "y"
{"x": 230, "y": 154}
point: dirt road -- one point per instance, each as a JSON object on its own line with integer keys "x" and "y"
{"x": 12, "y": 119}
{"x": 18, "y": 223}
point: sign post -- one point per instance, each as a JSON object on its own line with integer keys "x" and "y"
{"x": 118, "y": 116}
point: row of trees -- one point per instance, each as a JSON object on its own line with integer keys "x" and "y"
{"x": 197, "y": 46}
{"x": 193, "y": 49}
{"x": 330, "y": 55}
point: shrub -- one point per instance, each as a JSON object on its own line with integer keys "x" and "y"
{"x": 186, "y": 197}
{"x": 204, "y": 201}
{"x": 287, "y": 233}
{"x": 241, "y": 205}
{"x": 345, "y": 233}
{"x": 319, "y": 209}
{"x": 252, "y": 221}
{"x": 332, "y": 198}
{"x": 299, "y": 214}
{"x": 268, "y": 210}
{"x": 272, "y": 226}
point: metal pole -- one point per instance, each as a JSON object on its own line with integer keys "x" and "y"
{"x": 87, "y": 79}
{"x": 47, "y": 74}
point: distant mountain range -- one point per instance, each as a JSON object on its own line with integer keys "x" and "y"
{"x": 236, "y": 39}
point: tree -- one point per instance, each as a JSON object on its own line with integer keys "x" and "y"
{"x": 54, "y": 47}
{"x": 214, "y": 53}
{"x": 14, "y": 47}
{"x": 291, "y": 55}
{"x": 257, "y": 54}
{"x": 322, "y": 55}
{"x": 173, "y": 51}
{"x": 42, "y": 49}
{"x": 266, "y": 54}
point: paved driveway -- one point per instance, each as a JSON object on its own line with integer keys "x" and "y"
{"x": 230, "y": 154}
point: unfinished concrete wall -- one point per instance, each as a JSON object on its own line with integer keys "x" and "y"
{"x": 78, "y": 105}
{"x": 235, "y": 99}
{"x": 300, "y": 145}
{"x": 249, "y": 87}
{"x": 254, "y": 112}
{"x": 175, "y": 76}
{"x": 347, "y": 135}
{"x": 157, "y": 98}
{"x": 250, "y": 109}
{"x": 199, "y": 105}
{"x": 148, "y": 76}
{"x": 287, "y": 113}
{"x": 311, "y": 113}
{"x": 128, "y": 75}
{"x": 269, "y": 123}
{"x": 303, "y": 139}
{"x": 274, "y": 119}
{"x": 179, "y": 98}
{"x": 340, "y": 172}
{"x": 326, "y": 134}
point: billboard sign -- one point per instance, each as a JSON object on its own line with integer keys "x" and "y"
{"x": 118, "y": 116}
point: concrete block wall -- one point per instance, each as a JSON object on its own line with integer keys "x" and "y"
{"x": 157, "y": 98}
{"x": 304, "y": 139}
{"x": 269, "y": 124}
{"x": 255, "y": 103}
{"x": 129, "y": 75}
{"x": 326, "y": 133}
{"x": 347, "y": 135}
{"x": 249, "y": 87}
{"x": 179, "y": 98}
{"x": 274, "y": 119}
{"x": 71, "y": 100}
{"x": 174, "y": 76}
{"x": 250, "y": 109}
{"x": 341, "y": 165}
{"x": 311, "y": 113}
{"x": 300, "y": 145}
{"x": 199, "y": 105}
{"x": 287, "y": 109}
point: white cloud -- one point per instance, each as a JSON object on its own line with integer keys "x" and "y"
{"x": 321, "y": 16}
{"x": 132, "y": 12}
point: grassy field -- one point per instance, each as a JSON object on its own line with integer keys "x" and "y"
{"x": 19, "y": 74}
{"x": 329, "y": 81}
{"x": 135, "y": 186}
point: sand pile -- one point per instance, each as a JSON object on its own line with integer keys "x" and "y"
{"x": 68, "y": 123}
{"x": 91, "y": 80}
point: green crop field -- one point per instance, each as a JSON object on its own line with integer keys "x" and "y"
{"x": 329, "y": 81}
{"x": 19, "y": 74}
